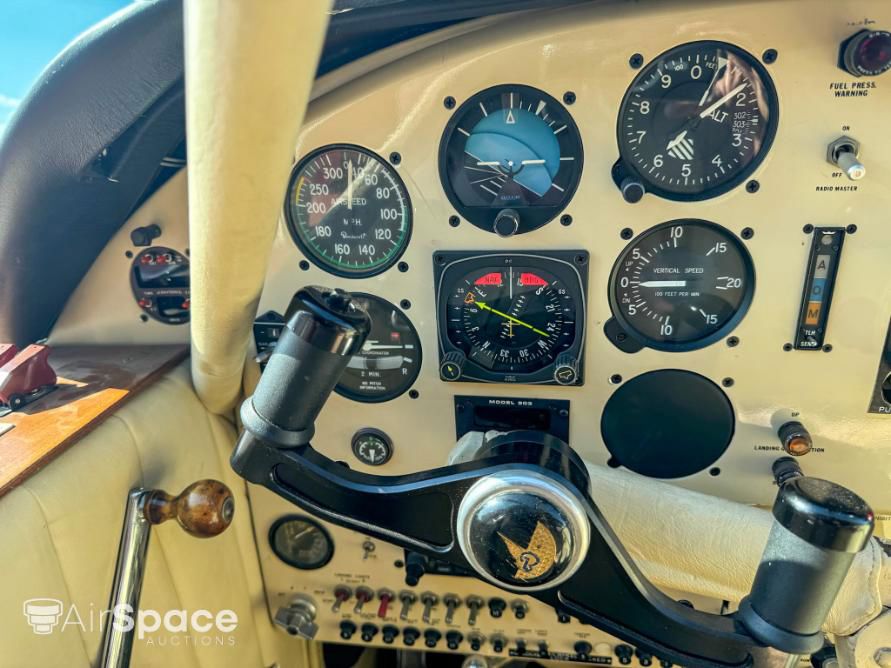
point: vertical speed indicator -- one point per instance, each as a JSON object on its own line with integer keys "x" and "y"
{"x": 682, "y": 285}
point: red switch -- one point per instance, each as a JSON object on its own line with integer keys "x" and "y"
{"x": 386, "y": 597}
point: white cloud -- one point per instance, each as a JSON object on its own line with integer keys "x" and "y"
{"x": 9, "y": 102}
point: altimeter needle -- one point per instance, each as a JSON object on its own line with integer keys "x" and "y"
{"x": 486, "y": 307}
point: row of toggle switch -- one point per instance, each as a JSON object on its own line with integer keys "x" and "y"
{"x": 582, "y": 650}
{"x": 429, "y": 600}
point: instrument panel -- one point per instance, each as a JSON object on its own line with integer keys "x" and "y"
{"x": 698, "y": 156}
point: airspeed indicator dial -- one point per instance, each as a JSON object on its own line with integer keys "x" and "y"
{"x": 698, "y": 120}
{"x": 682, "y": 285}
{"x": 348, "y": 211}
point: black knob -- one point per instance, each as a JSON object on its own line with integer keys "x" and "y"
{"x": 451, "y": 366}
{"x": 520, "y": 608}
{"x": 818, "y": 529}
{"x": 632, "y": 189}
{"x": 583, "y": 649}
{"x": 368, "y": 632}
{"x": 498, "y": 644}
{"x": 496, "y": 607}
{"x": 566, "y": 369}
{"x": 476, "y": 641}
{"x": 543, "y": 650}
{"x": 347, "y": 629}
{"x": 431, "y": 637}
{"x": 324, "y": 328}
{"x": 143, "y": 236}
{"x": 665, "y": 663}
{"x": 521, "y": 647}
{"x": 644, "y": 657}
{"x": 866, "y": 53}
{"x": 409, "y": 635}
{"x": 624, "y": 653}
{"x": 563, "y": 618}
{"x": 453, "y": 639}
{"x": 415, "y": 567}
{"x": 507, "y": 222}
{"x": 389, "y": 633}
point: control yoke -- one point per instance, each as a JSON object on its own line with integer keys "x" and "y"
{"x": 520, "y": 516}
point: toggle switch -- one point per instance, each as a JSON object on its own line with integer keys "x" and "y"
{"x": 341, "y": 594}
{"x": 363, "y": 595}
{"x": 474, "y": 604}
{"x": 407, "y": 599}
{"x": 429, "y": 599}
{"x": 385, "y": 596}
{"x": 844, "y": 153}
{"x": 452, "y": 602}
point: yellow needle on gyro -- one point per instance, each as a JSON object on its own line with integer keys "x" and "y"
{"x": 486, "y": 307}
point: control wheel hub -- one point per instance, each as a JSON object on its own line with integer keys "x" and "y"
{"x": 523, "y": 530}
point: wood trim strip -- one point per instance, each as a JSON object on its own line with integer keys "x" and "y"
{"x": 94, "y": 381}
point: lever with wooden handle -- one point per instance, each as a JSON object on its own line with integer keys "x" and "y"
{"x": 203, "y": 509}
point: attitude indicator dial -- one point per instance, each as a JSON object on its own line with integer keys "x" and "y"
{"x": 682, "y": 285}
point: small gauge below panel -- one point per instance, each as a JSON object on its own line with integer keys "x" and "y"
{"x": 301, "y": 542}
{"x": 511, "y": 317}
{"x": 159, "y": 279}
{"x": 390, "y": 360}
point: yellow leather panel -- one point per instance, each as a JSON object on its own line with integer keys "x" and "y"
{"x": 60, "y": 533}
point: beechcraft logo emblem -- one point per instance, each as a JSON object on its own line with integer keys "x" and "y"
{"x": 537, "y": 557}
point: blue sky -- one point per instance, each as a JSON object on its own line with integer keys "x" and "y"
{"x": 32, "y": 32}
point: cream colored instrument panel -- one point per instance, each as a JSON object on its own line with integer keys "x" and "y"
{"x": 586, "y": 50}
{"x": 399, "y": 107}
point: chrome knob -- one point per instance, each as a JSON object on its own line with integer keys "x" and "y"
{"x": 522, "y": 530}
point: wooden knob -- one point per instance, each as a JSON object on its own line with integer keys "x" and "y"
{"x": 204, "y": 508}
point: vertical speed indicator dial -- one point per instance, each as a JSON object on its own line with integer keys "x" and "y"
{"x": 348, "y": 211}
{"x": 697, "y": 120}
{"x": 682, "y": 285}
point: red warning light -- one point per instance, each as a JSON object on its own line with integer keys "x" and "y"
{"x": 530, "y": 279}
{"x": 492, "y": 278}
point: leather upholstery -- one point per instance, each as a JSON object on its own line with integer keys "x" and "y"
{"x": 60, "y": 533}
{"x": 690, "y": 542}
{"x": 245, "y": 99}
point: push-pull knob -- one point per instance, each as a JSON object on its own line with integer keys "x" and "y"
{"x": 204, "y": 508}
{"x": 818, "y": 528}
{"x": 298, "y": 618}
